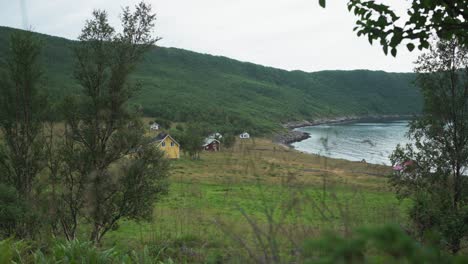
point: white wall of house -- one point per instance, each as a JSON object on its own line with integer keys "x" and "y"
{"x": 154, "y": 127}
{"x": 244, "y": 135}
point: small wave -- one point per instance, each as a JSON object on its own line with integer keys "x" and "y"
{"x": 373, "y": 142}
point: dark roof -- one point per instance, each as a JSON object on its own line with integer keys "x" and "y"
{"x": 159, "y": 137}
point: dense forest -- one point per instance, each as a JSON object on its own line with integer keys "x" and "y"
{"x": 182, "y": 86}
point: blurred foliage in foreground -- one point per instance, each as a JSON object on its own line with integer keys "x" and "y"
{"x": 387, "y": 244}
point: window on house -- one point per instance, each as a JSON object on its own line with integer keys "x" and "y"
{"x": 172, "y": 144}
{"x": 163, "y": 144}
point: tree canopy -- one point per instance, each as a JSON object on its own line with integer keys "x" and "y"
{"x": 234, "y": 96}
{"x": 444, "y": 19}
{"x": 431, "y": 171}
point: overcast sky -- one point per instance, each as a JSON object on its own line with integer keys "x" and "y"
{"x": 287, "y": 34}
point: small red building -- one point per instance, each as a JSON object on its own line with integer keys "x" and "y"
{"x": 211, "y": 144}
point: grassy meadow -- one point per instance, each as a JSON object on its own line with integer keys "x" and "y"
{"x": 256, "y": 195}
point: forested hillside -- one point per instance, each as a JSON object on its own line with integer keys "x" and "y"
{"x": 184, "y": 86}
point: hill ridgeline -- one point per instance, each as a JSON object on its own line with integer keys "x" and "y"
{"x": 229, "y": 95}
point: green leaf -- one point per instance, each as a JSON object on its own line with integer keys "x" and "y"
{"x": 425, "y": 44}
{"x": 385, "y": 49}
{"x": 322, "y": 3}
{"x": 410, "y": 46}
{"x": 394, "y": 52}
{"x": 382, "y": 21}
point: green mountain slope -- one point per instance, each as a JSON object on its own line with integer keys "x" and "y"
{"x": 186, "y": 86}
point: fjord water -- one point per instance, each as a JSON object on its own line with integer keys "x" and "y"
{"x": 373, "y": 142}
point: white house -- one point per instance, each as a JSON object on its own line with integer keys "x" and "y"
{"x": 244, "y": 135}
{"x": 154, "y": 126}
{"x": 216, "y": 135}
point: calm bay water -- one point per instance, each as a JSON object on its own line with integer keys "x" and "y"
{"x": 373, "y": 142}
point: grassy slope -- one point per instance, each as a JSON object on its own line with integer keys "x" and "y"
{"x": 255, "y": 176}
{"x": 186, "y": 86}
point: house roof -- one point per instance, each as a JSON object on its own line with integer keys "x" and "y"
{"x": 208, "y": 141}
{"x": 215, "y": 135}
{"x": 161, "y": 137}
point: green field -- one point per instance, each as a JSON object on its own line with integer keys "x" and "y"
{"x": 211, "y": 201}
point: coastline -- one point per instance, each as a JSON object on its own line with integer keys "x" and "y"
{"x": 293, "y": 135}
{"x": 345, "y": 119}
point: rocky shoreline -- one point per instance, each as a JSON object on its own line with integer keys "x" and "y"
{"x": 345, "y": 119}
{"x": 293, "y": 136}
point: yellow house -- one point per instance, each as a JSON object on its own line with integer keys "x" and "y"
{"x": 167, "y": 144}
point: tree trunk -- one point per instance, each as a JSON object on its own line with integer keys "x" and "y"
{"x": 96, "y": 235}
{"x": 455, "y": 245}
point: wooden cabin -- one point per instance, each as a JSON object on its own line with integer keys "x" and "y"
{"x": 211, "y": 144}
{"x": 167, "y": 144}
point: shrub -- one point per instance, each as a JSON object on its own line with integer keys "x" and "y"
{"x": 163, "y": 123}
{"x": 387, "y": 244}
{"x": 228, "y": 140}
{"x": 77, "y": 252}
{"x": 12, "y": 209}
{"x": 14, "y": 252}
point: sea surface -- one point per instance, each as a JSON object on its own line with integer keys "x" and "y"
{"x": 372, "y": 142}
